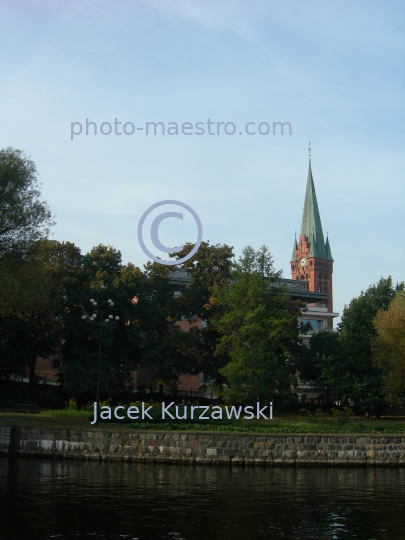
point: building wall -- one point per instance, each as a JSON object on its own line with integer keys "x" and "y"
{"x": 49, "y": 367}
{"x": 317, "y": 272}
{"x": 46, "y": 367}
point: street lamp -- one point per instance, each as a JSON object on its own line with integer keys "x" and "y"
{"x": 99, "y": 310}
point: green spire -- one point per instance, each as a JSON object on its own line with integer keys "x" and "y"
{"x": 294, "y": 253}
{"x": 328, "y": 251}
{"x": 311, "y": 224}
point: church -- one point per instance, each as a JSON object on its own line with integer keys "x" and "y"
{"x": 312, "y": 264}
{"x": 311, "y": 273}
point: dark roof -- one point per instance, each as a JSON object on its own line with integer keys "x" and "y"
{"x": 179, "y": 276}
{"x": 297, "y": 289}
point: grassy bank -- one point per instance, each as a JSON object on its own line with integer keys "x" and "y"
{"x": 286, "y": 427}
{"x": 81, "y": 420}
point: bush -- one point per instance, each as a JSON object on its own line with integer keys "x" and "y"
{"x": 342, "y": 415}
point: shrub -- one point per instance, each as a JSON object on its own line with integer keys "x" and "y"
{"x": 342, "y": 415}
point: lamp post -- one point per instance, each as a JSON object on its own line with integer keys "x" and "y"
{"x": 99, "y": 310}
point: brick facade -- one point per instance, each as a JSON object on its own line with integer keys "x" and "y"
{"x": 316, "y": 272}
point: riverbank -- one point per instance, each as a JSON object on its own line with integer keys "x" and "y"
{"x": 204, "y": 448}
{"x": 387, "y": 425}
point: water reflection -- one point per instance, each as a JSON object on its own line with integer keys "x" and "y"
{"x": 42, "y": 499}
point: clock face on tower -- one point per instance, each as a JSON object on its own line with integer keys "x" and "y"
{"x": 303, "y": 262}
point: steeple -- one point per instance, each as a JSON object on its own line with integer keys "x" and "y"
{"x": 294, "y": 253}
{"x": 328, "y": 251}
{"x": 311, "y": 225}
{"x": 312, "y": 260}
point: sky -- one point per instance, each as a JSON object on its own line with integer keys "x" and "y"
{"x": 333, "y": 70}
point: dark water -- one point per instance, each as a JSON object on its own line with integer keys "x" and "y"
{"x": 41, "y": 499}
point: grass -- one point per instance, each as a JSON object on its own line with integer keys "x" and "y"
{"x": 67, "y": 413}
{"x": 31, "y": 420}
{"x": 280, "y": 427}
{"x": 74, "y": 419}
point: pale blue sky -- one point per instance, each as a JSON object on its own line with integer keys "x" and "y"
{"x": 334, "y": 70}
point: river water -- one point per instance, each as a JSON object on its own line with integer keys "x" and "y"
{"x": 61, "y": 499}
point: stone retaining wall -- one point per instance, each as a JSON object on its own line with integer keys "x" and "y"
{"x": 212, "y": 448}
{"x": 5, "y": 440}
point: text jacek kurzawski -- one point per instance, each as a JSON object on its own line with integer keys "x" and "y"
{"x": 191, "y": 412}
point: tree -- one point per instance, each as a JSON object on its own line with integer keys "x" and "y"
{"x": 350, "y": 373}
{"x": 166, "y": 351}
{"x": 388, "y": 346}
{"x": 81, "y": 281}
{"x": 259, "y": 331}
{"x": 24, "y": 338}
{"x": 25, "y": 285}
{"x": 322, "y": 351}
{"x": 25, "y": 293}
{"x": 210, "y": 270}
{"x": 24, "y": 218}
{"x": 29, "y": 308}
{"x": 25, "y": 312}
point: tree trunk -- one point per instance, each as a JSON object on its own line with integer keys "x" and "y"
{"x": 219, "y": 381}
{"x": 32, "y": 369}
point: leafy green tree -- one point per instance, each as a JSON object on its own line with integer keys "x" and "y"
{"x": 259, "y": 331}
{"x": 24, "y": 218}
{"x": 323, "y": 348}
{"x": 61, "y": 261}
{"x": 29, "y": 309}
{"x": 102, "y": 266}
{"x": 388, "y": 346}
{"x": 166, "y": 351}
{"x": 350, "y": 373}
{"x": 145, "y": 336}
{"x": 25, "y": 285}
{"x": 25, "y": 292}
{"x": 210, "y": 270}
{"x": 24, "y": 338}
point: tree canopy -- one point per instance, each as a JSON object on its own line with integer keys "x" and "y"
{"x": 347, "y": 368}
{"x": 388, "y": 346}
{"x": 259, "y": 331}
{"x": 24, "y": 218}
{"x": 210, "y": 270}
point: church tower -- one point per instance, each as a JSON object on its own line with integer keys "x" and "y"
{"x": 312, "y": 258}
